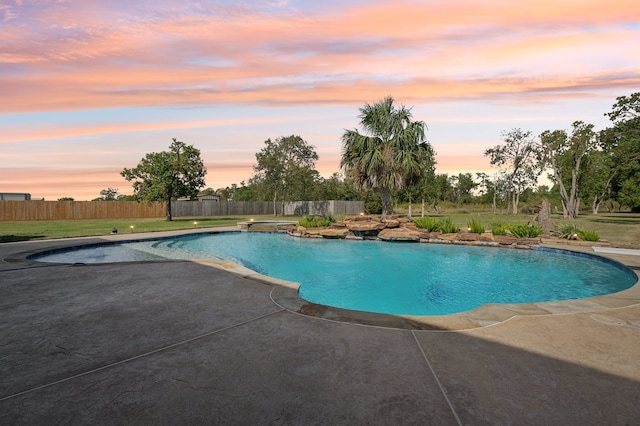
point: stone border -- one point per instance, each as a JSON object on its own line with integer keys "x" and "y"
{"x": 285, "y": 293}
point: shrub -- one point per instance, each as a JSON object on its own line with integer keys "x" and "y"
{"x": 499, "y": 228}
{"x": 373, "y": 206}
{"x": 475, "y": 226}
{"x": 447, "y": 226}
{"x": 526, "y": 231}
{"x": 586, "y": 235}
{"x": 427, "y": 223}
{"x": 568, "y": 230}
{"x": 310, "y": 221}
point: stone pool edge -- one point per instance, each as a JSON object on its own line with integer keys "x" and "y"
{"x": 285, "y": 293}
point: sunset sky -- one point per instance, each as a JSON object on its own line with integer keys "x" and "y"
{"x": 88, "y": 87}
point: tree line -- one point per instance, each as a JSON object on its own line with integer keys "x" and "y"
{"x": 388, "y": 160}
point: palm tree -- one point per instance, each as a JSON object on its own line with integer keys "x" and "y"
{"x": 392, "y": 152}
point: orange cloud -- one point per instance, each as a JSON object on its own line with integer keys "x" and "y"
{"x": 77, "y": 56}
{"x": 244, "y": 57}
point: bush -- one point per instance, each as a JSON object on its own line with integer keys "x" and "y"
{"x": 475, "y": 227}
{"x": 447, "y": 226}
{"x": 310, "y": 221}
{"x": 427, "y": 223}
{"x": 586, "y": 235}
{"x": 526, "y": 231}
{"x": 499, "y": 228}
{"x": 568, "y": 230}
{"x": 373, "y": 206}
{"x": 431, "y": 225}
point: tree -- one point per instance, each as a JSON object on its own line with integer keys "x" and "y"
{"x": 464, "y": 185}
{"x": 108, "y": 194}
{"x": 491, "y": 187}
{"x": 66, "y": 199}
{"x": 519, "y": 157}
{"x": 283, "y": 162}
{"x": 625, "y": 149}
{"x": 167, "y": 175}
{"x": 564, "y": 154}
{"x": 601, "y": 169}
{"x": 390, "y": 153}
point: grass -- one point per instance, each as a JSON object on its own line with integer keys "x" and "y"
{"x": 52, "y": 229}
{"x": 310, "y": 221}
{"x": 621, "y": 229}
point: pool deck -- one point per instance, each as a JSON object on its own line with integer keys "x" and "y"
{"x": 186, "y": 343}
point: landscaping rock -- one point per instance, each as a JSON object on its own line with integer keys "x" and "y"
{"x": 401, "y": 229}
{"x": 313, "y": 231}
{"x": 334, "y": 232}
{"x": 399, "y": 234}
{"x": 505, "y": 240}
{"x": 410, "y": 226}
{"x": 486, "y": 237}
{"x": 468, "y": 236}
{"x": 448, "y": 237}
{"x": 391, "y": 223}
{"x": 544, "y": 216}
{"x": 361, "y": 226}
{"x": 528, "y": 241}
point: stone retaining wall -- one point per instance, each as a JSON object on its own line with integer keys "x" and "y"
{"x": 401, "y": 229}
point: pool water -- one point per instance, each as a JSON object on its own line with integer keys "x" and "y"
{"x": 383, "y": 277}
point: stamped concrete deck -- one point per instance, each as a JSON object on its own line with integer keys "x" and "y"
{"x": 186, "y": 343}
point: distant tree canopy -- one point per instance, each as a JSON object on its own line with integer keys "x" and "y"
{"x": 167, "y": 175}
{"x": 390, "y": 153}
{"x": 623, "y": 143}
{"x": 564, "y": 154}
{"x": 518, "y": 158}
{"x": 286, "y": 168}
{"x": 109, "y": 194}
{"x": 388, "y": 161}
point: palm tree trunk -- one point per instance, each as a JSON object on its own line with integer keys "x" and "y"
{"x": 385, "y": 194}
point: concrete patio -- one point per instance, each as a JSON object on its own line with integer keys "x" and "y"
{"x": 187, "y": 343}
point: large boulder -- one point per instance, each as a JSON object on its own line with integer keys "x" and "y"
{"x": 399, "y": 234}
{"x": 468, "y": 236}
{"x": 544, "y": 216}
{"x": 448, "y": 237}
{"x": 487, "y": 236}
{"x": 362, "y": 226}
{"x": 505, "y": 240}
{"x": 391, "y": 223}
{"x": 334, "y": 232}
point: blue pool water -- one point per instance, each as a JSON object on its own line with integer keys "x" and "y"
{"x": 395, "y": 278}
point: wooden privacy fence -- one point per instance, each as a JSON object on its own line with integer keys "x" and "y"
{"x": 246, "y": 208}
{"x": 69, "y": 210}
{"x": 216, "y": 208}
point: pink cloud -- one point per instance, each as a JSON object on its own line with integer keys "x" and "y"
{"x": 85, "y": 55}
{"x": 102, "y": 58}
{"x": 54, "y": 183}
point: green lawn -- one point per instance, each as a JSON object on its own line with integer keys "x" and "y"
{"x": 48, "y": 229}
{"x": 622, "y": 230}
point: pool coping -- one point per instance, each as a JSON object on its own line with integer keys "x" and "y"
{"x": 285, "y": 293}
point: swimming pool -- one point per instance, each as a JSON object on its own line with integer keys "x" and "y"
{"x": 382, "y": 277}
